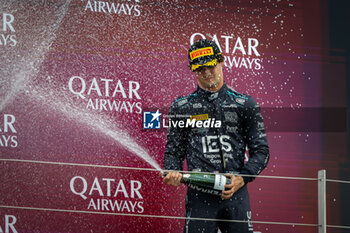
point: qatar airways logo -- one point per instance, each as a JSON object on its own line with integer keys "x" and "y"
{"x": 8, "y": 226}
{"x": 238, "y": 53}
{"x": 103, "y": 94}
{"x": 8, "y": 132}
{"x": 7, "y": 31}
{"x": 107, "y": 194}
{"x": 120, "y": 7}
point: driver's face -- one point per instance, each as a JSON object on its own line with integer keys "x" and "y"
{"x": 210, "y": 78}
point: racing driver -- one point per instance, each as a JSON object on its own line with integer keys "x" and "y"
{"x": 216, "y": 149}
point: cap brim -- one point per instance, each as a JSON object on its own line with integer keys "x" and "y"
{"x": 206, "y": 62}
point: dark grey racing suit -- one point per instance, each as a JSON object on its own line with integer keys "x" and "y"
{"x": 217, "y": 148}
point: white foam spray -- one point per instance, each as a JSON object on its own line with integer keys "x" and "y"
{"x": 25, "y": 67}
{"x": 21, "y": 70}
{"x": 97, "y": 122}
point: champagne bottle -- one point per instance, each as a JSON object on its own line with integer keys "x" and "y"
{"x": 205, "y": 180}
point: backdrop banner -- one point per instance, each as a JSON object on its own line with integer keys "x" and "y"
{"x": 80, "y": 79}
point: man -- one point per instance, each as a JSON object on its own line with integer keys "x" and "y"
{"x": 216, "y": 149}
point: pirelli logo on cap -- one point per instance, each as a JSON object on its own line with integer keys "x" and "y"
{"x": 201, "y": 117}
{"x": 201, "y": 52}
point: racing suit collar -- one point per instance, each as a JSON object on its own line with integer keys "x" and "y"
{"x": 211, "y": 95}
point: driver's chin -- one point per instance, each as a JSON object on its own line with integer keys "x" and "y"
{"x": 211, "y": 83}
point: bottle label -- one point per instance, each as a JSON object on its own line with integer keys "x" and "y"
{"x": 220, "y": 182}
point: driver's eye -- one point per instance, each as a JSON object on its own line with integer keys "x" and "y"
{"x": 200, "y": 69}
{"x": 203, "y": 68}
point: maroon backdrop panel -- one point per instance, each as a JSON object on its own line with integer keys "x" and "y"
{"x": 77, "y": 75}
